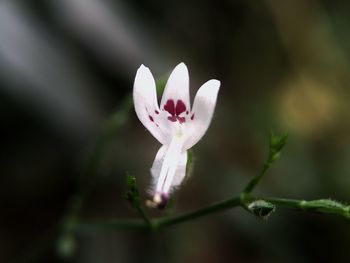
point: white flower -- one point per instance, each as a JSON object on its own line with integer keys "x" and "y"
{"x": 174, "y": 124}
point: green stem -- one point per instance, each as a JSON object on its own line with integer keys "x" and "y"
{"x": 160, "y": 222}
{"x": 145, "y": 218}
{"x": 217, "y": 207}
{"x": 255, "y": 180}
{"x": 89, "y": 175}
{"x": 324, "y": 206}
{"x": 128, "y": 224}
{"x": 277, "y": 142}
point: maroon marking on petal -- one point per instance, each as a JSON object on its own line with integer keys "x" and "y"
{"x": 172, "y": 118}
{"x": 157, "y": 112}
{"x": 180, "y": 107}
{"x": 192, "y": 117}
{"x": 170, "y": 107}
{"x": 187, "y": 112}
{"x": 181, "y": 119}
{"x": 151, "y": 118}
{"x": 175, "y": 111}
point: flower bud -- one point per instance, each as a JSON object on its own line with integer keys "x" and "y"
{"x": 261, "y": 209}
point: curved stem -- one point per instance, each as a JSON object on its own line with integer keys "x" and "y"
{"x": 255, "y": 180}
{"x": 128, "y": 224}
{"x": 217, "y": 207}
{"x": 159, "y": 223}
{"x": 89, "y": 174}
{"x": 144, "y": 216}
{"x": 277, "y": 142}
{"x": 325, "y": 206}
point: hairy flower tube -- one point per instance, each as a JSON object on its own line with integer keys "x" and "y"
{"x": 174, "y": 124}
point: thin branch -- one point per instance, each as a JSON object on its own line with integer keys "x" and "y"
{"x": 217, "y": 207}
{"x": 158, "y": 223}
{"x": 96, "y": 225}
{"x": 256, "y": 179}
{"x": 324, "y": 206}
{"x": 145, "y": 218}
{"x": 89, "y": 174}
{"x": 277, "y": 142}
{"x": 85, "y": 183}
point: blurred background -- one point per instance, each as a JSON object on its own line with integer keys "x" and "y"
{"x": 66, "y": 66}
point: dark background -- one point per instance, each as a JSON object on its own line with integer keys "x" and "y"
{"x": 67, "y": 65}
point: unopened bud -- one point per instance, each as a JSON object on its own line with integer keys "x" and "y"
{"x": 261, "y": 208}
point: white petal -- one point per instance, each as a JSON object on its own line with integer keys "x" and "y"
{"x": 157, "y": 166}
{"x": 180, "y": 171}
{"x": 202, "y": 112}
{"x": 169, "y": 167}
{"x": 145, "y": 102}
{"x": 177, "y": 87}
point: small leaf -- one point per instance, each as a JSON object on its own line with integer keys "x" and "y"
{"x": 277, "y": 142}
{"x": 261, "y": 208}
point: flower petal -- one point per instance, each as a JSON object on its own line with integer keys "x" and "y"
{"x": 169, "y": 168}
{"x": 161, "y": 197}
{"x": 145, "y": 101}
{"x": 176, "y": 95}
{"x": 202, "y": 112}
{"x": 157, "y": 166}
{"x": 180, "y": 171}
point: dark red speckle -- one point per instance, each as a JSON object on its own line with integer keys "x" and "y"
{"x": 181, "y": 119}
{"x": 157, "y": 112}
{"x": 192, "y": 117}
{"x": 187, "y": 112}
{"x": 172, "y": 118}
{"x": 151, "y": 118}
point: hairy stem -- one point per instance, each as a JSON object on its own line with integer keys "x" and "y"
{"x": 217, "y": 207}
{"x": 277, "y": 142}
{"x": 162, "y": 222}
{"x": 145, "y": 218}
{"x": 325, "y": 206}
{"x": 256, "y": 179}
{"x": 89, "y": 174}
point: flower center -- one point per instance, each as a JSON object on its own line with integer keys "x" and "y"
{"x": 175, "y": 110}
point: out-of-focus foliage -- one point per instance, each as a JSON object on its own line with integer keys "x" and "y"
{"x": 66, "y": 65}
